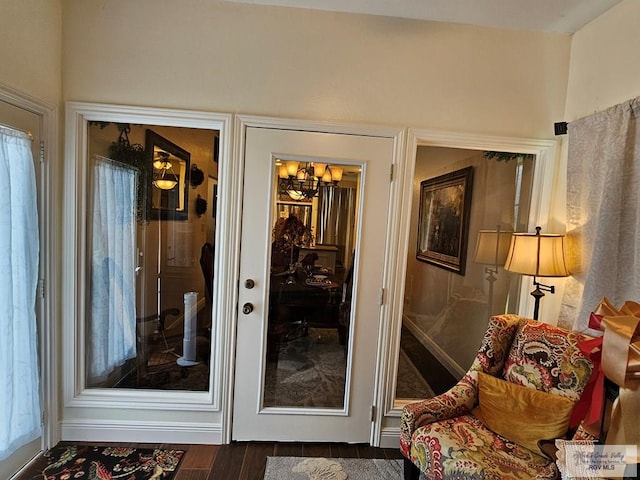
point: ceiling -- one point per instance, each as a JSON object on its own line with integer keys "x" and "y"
{"x": 561, "y": 16}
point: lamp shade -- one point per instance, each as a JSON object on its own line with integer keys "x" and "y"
{"x": 165, "y": 183}
{"x": 492, "y": 247}
{"x": 165, "y": 179}
{"x": 319, "y": 169}
{"x": 296, "y": 195}
{"x": 292, "y": 168}
{"x": 537, "y": 254}
{"x": 336, "y": 173}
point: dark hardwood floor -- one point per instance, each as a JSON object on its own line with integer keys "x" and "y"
{"x": 244, "y": 460}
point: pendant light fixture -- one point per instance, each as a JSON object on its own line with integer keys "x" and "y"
{"x": 302, "y": 181}
{"x": 164, "y": 176}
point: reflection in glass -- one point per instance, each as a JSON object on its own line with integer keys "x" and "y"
{"x": 111, "y": 325}
{"x": 169, "y": 190}
{"x": 313, "y": 241}
{"x": 445, "y": 314}
{"x": 150, "y": 258}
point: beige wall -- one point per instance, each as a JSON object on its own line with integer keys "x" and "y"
{"x": 604, "y": 68}
{"x": 30, "y": 47}
{"x": 316, "y": 65}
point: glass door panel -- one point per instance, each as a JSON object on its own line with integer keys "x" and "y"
{"x": 309, "y": 311}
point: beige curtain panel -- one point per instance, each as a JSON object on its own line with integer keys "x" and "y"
{"x": 603, "y": 195}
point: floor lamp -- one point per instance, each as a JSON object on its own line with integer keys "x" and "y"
{"x": 492, "y": 247}
{"x": 537, "y": 255}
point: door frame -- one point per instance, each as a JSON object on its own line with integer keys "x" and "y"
{"x": 49, "y": 262}
{"x": 233, "y": 235}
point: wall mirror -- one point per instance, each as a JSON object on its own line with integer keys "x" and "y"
{"x": 142, "y": 264}
{"x": 301, "y": 211}
{"x": 168, "y": 190}
{"x": 145, "y": 324}
{"x": 444, "y": 313}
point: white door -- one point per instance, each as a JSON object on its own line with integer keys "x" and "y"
{"x": 305, "y": 364}
{"x": 26, "y": 121}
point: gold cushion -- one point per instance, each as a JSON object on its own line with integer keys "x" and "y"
{"x": 521, "y": 414}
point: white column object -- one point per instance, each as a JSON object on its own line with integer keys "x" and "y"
{"x": 188, "y": 358}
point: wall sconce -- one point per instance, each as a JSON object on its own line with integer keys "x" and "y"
{"x": 303, "y": 181}
{"x": 165, "y": 179}
{"x": 201, "y": 206}
{"x": 196, "y": 176}
{"x": 492, "y": 247}
{"x": 539, "y": 256}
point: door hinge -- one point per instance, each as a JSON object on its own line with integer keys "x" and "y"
{"x": 43, "y": 418}
{"x": 391, "y": 173}
{"x": 373, "y": 413}
{"x": 41, "y": 151}
{"x": 382, "y": 296}
{"x": 41, "y": 288}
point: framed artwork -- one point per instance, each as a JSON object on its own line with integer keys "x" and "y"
{"x": 302, "y": 211}
{"x": 443, "y": 221}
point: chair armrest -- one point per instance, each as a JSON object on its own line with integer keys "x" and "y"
{"x": 461, "y": 398}
{"x": 458, "y": 400}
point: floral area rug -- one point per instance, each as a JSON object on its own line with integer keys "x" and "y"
{"x": 90, "y": 462}
{"x": 311, "y": 468}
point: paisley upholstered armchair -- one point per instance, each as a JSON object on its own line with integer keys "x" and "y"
{"x": 521, "y": 388}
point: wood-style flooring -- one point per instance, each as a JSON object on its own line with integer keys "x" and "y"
{"x": 244, "y": 460}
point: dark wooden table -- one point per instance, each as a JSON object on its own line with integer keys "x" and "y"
{"x": 296, "y": 306}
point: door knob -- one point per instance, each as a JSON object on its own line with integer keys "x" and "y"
{"x": 247, "y": 308}
{"x": 249, "y": 284}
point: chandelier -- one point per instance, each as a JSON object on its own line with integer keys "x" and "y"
{"x": 164, "y": 177}
{"x": 302, "y": 180}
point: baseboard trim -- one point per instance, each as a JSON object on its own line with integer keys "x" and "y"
{"x": 443, "y": 357}
{"x": 390, "y": 437}
{"x": 25, "y": 467}
{"x": 141, "y": 432}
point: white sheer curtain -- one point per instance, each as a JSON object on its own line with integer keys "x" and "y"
{"x": 19, "y": 244}
{"x": 603, "y": 200}
{"x": 112, "y": 323}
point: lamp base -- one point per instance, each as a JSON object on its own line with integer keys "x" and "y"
{"x": 538, "y": 293}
